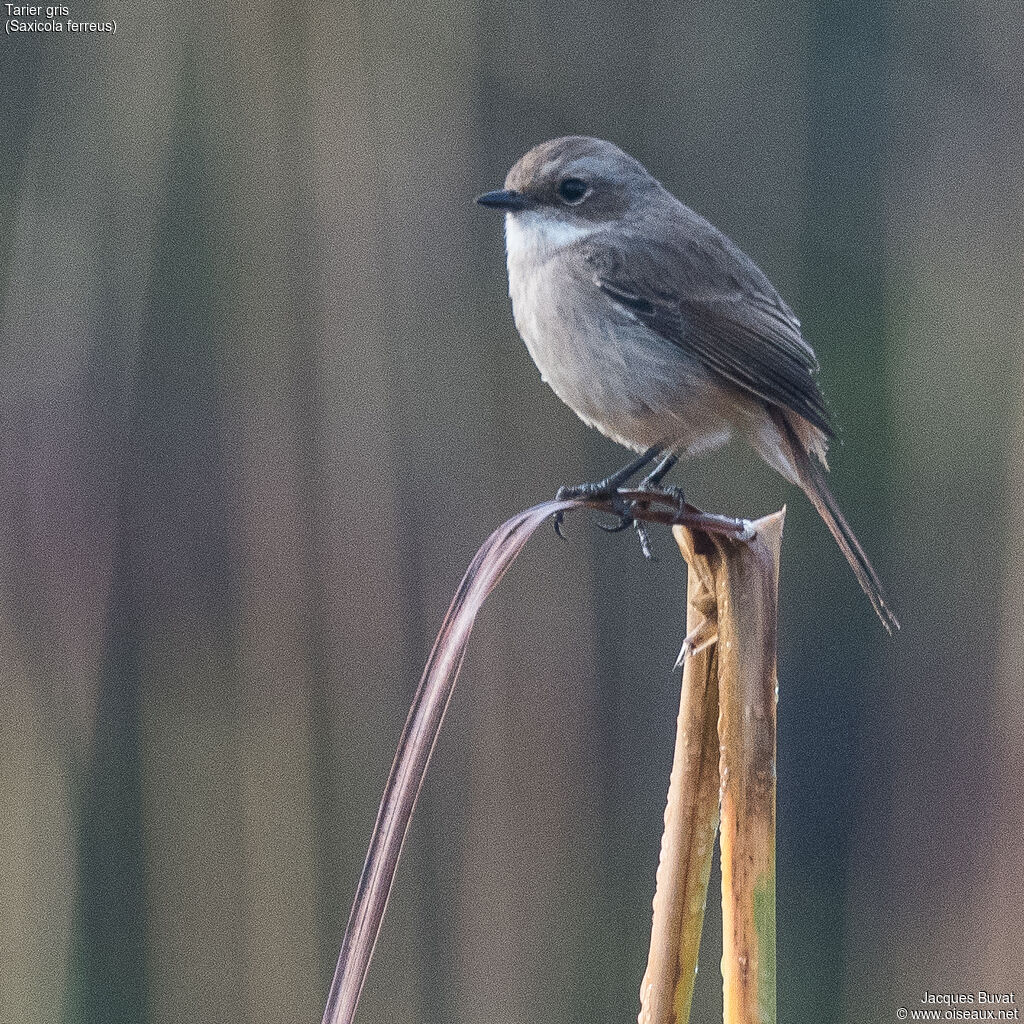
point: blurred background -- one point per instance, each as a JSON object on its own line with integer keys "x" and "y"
{"x": 261, "y": 399}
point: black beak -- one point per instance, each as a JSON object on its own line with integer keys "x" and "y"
{"x": 507, "y": 199}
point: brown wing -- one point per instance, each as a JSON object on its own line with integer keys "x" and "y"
{"x": 702, "y": 293}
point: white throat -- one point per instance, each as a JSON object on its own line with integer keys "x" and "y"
{"x": 530, "y": 235}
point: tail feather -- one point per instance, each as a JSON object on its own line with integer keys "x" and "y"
{"x": 811, "y": 477}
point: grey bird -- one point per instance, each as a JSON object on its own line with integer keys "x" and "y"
{"x": 657, "y": 329}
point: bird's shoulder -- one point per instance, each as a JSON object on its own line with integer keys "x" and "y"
{"x": 673, "y": 254}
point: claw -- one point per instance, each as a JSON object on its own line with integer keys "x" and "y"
{"x": 677, "y": 494}
{"x": 625, "y": 514}
{"x": 557, "y": 520}
{"x": 645, "y": 540}
{"x": 625, "y": 521}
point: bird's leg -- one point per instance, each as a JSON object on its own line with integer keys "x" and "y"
{"x": 652, "y": 483}
{"x": 660, "y": 471}
{"x": 608, "y": 487}
{"x": 610, "y": 484}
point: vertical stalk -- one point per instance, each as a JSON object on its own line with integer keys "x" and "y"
{"x": 725, "y": 753}
{"x": 691, "y": 813}
{"x": 747, "y": 589}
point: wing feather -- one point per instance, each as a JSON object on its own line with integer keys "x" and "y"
{"x": 705, "y": 295}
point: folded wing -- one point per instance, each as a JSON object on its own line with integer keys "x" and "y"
{"x": 713, "y": 302}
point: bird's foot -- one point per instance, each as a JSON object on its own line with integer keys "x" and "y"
{"x": 651, "y": 484}
{"x": 603, "y": 490}
{"x": 624, "y": 511}
{"x": 606, "y": 490}
{"x": 674, "y": 494}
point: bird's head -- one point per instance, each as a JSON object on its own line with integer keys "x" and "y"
{"x": 573, "y": 183}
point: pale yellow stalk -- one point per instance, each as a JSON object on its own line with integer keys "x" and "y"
{"x": 725, "y": 751}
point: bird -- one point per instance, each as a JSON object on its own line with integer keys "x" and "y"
{"x": 655, "y": 328}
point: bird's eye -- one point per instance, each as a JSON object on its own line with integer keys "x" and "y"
{"x": 573, "y": 190}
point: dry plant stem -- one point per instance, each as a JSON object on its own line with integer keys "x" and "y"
{"x": 725, "y": 751}
{"x": 661, "y": 508}
{"x": 416, "y": 745}
{"x": 747, "y": 577}
{"x": 423, "y": 724}
{"x": 691, "y": 814}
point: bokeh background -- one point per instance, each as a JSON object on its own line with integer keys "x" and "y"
{"x": 261, "y": 399}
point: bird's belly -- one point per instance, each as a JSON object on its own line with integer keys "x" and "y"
{"x": 616, "y": 374}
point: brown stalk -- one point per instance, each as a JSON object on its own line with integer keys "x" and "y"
{"x": 729, "y": 674}
{"x": 691, "y": 813}
{"x": 747, "y": 591}
{"x": 423, "y": 724}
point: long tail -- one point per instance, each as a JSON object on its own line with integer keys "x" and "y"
{"x": 812, "y": 479}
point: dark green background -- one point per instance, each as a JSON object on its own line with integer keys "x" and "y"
{"x": 261, "y": 398}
